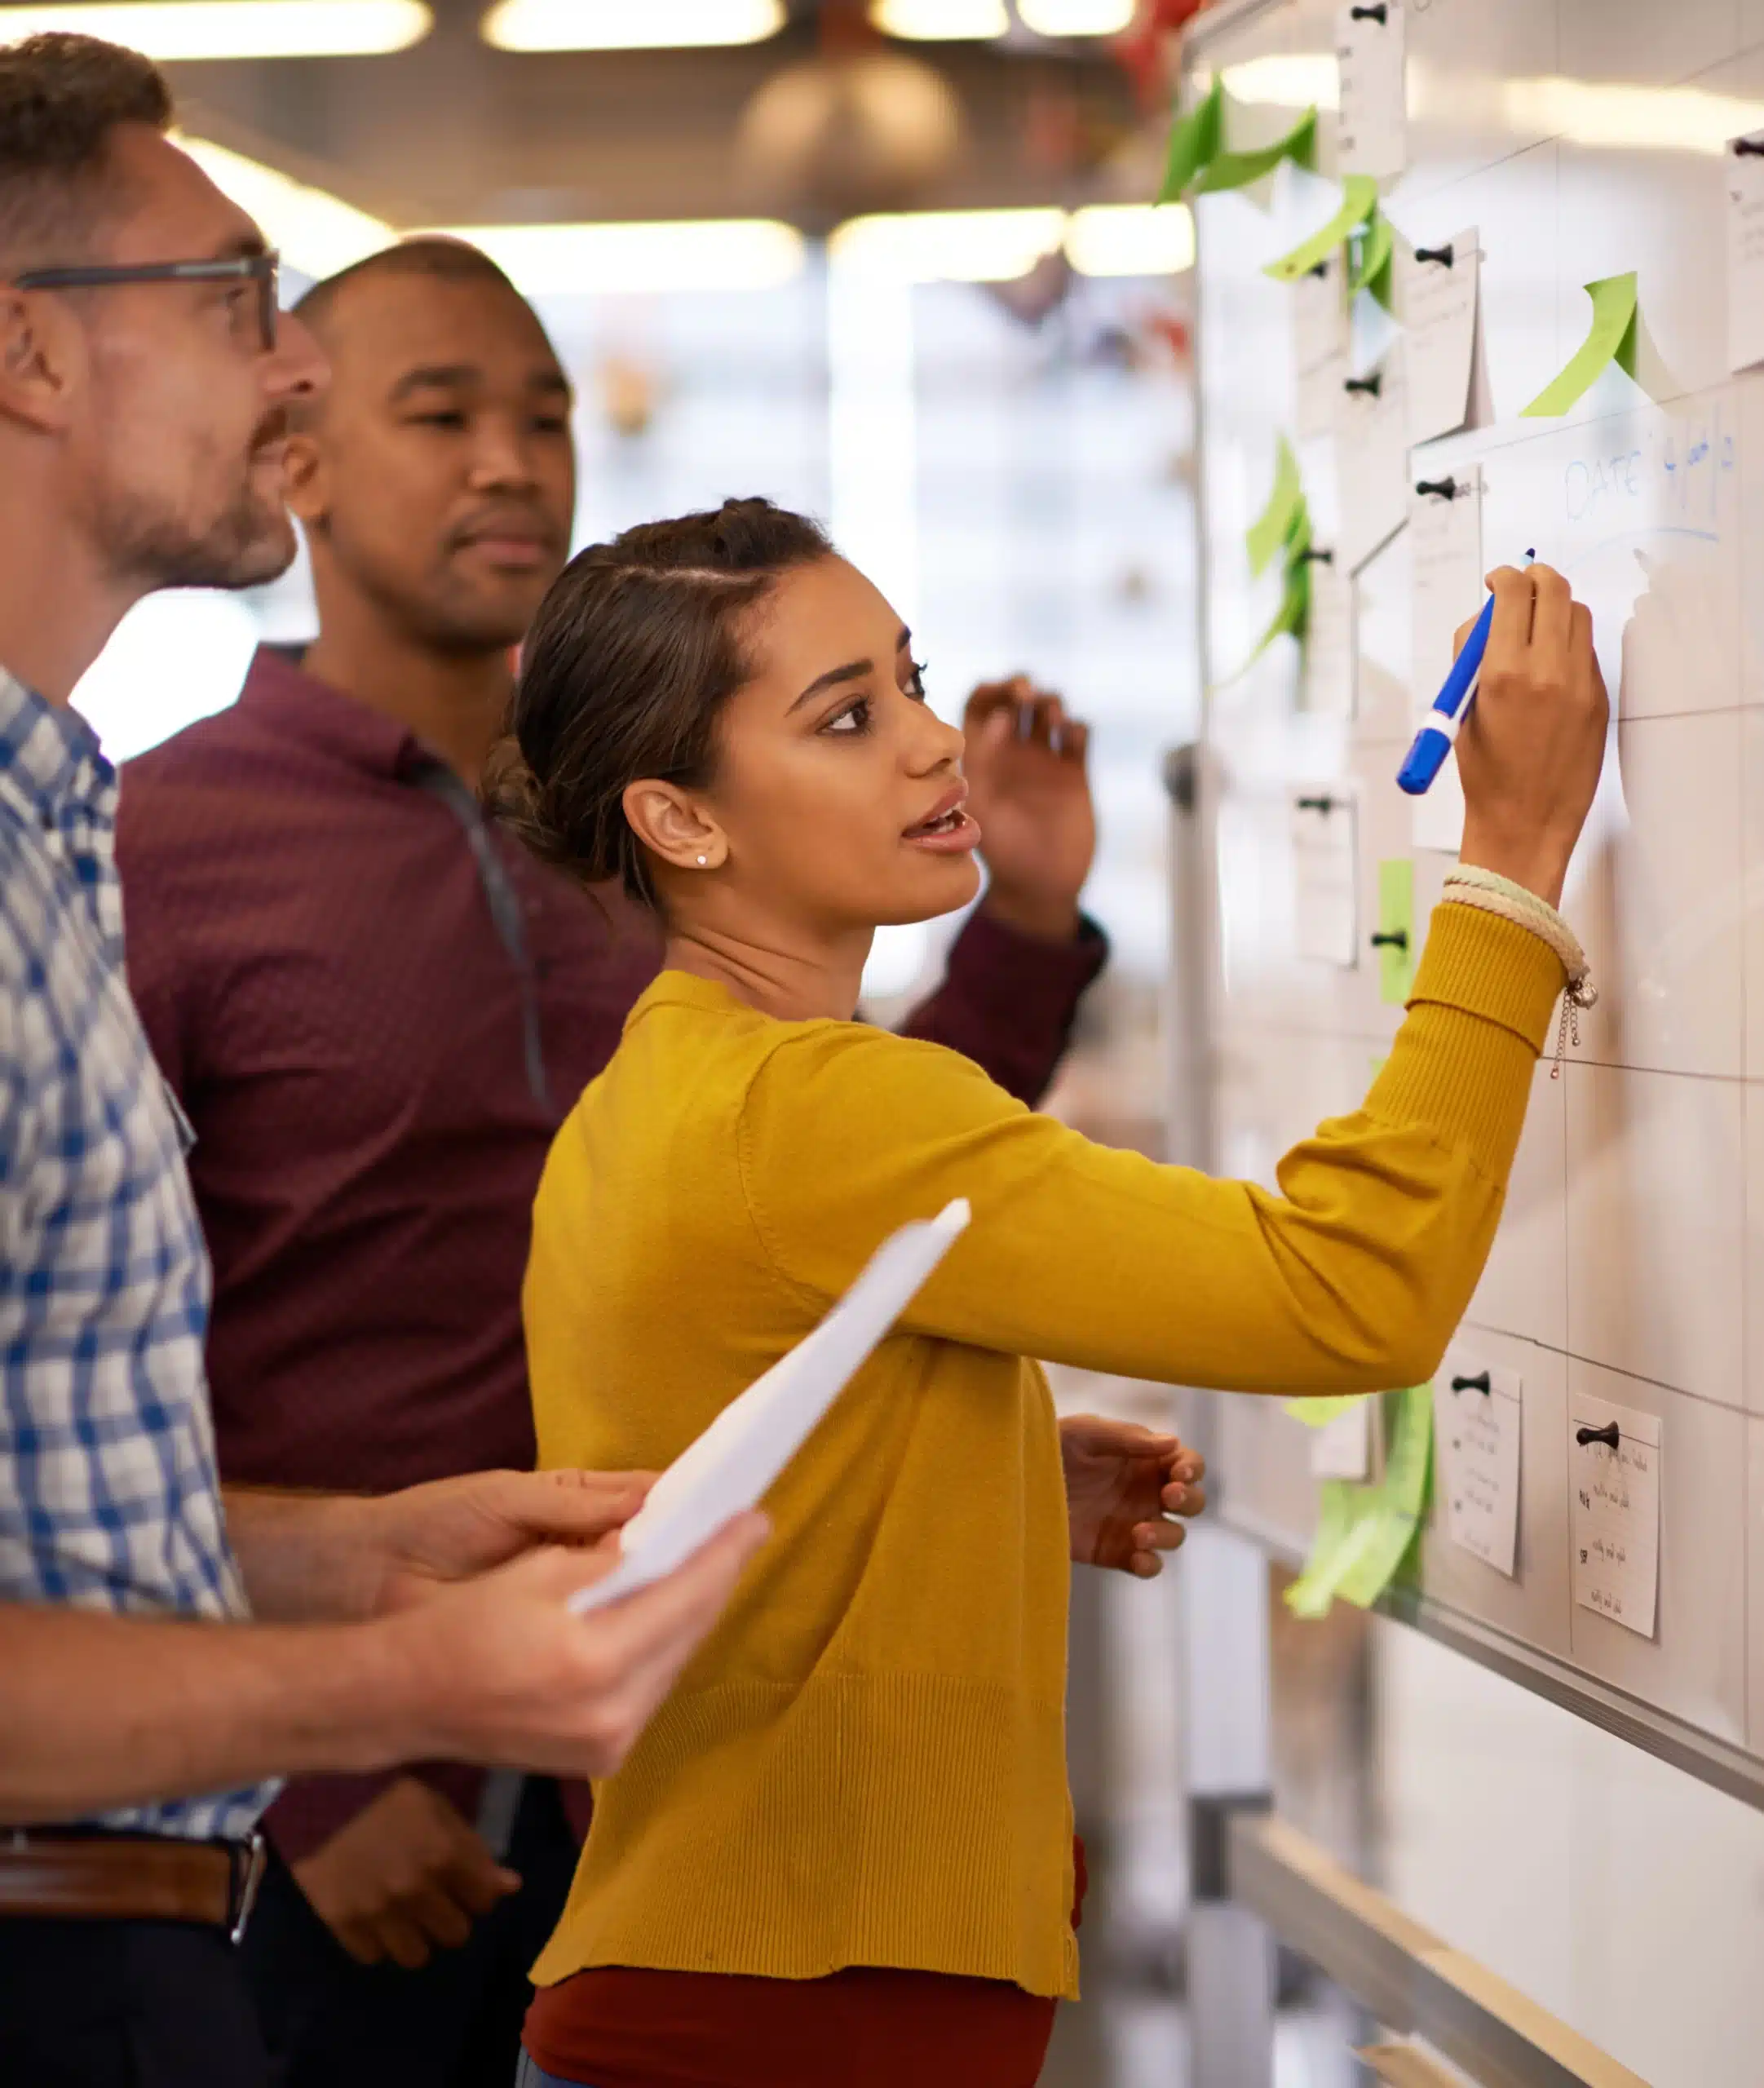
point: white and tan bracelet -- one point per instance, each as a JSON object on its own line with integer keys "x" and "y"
{"x": 1469, "y": 886}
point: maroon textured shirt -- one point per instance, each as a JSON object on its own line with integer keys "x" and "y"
{"x": 313, "y": 945}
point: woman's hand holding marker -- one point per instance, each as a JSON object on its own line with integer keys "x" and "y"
{"x": 1529, "y": 749}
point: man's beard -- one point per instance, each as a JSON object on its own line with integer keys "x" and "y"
{"x": 251, "y": 541}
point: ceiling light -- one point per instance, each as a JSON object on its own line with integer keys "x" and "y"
{"x": 317, "y": 232}
{"x": 178, "y": 29}
{"x": 1600, "y": 112}
{"x": 941, "y": 21}
{"x": 1075, "y": 17}
{"x": 1131, "y": 239}
{"x": 630, "y": 24}
{"x": 948, "y": 246}
{"x": 1295, "y": 79}
{"x": 595, "y": 260}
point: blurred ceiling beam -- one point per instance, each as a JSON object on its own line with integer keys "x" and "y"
{"x": 451, "y": 131}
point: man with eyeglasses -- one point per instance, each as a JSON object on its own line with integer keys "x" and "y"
{"x": 145, "y": 391}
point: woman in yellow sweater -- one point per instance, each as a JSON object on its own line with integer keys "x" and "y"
{"x": 842, "y": 1851}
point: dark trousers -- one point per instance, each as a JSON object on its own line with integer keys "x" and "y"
{"x": 331, "y": 2023}
{"x": 117, "y": 2004}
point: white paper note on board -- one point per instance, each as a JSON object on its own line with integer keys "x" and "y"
{"x": 1319, "y": 344}
{"x": 1326, "y": 875}
{"x": 1446, "y": 548}
{"x": 1615, "y": 1488}
{"x": 1372, "y": 454}
{"x": 1328, "y": 685}
{"x": 1436, "y": 294}
{"x": 1479, "y": 1413}
{"x": 1342, "y": 1448}
{"x": 1372, "y": 129}
{"x": 1745, "y": 252}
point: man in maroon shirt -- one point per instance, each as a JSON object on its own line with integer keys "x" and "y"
{"x": 377, "y": 1011}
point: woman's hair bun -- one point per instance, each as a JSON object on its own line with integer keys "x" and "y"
{"x": 634, "y": 653}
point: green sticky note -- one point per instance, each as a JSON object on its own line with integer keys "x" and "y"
{"x": 1611, "y": 339}
{"x": 1402, "y": 1500}
{"x": 1409, "y": 1458}
{"x": 1274, "y": 525}
{"x": 1394, "y": 936}
{"x": 1365, "y": 1534}
{"x": 1373, "y": 270}
{"x": 1294, "y": 613}
{"x": 1318, "y": 1413}
{"x": 1360, "y": 199}
{"x": 1344, "y": 1528}
{"x": 1238, "y": 170}
{"x": 1194, "y": 141}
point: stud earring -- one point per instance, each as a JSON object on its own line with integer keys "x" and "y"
{"x": 702, "y": 861}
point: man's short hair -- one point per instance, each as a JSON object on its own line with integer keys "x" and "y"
{"x": 426, "y": 254}
{"x": 61, "y": 97}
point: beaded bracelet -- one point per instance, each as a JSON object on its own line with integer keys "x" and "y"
{"x": 1468, "y": 886}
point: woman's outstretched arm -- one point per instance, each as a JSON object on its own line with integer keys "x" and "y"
{"x": 1353, "y": 1277}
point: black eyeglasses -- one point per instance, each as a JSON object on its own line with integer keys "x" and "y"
{"x": 262, "y": 269}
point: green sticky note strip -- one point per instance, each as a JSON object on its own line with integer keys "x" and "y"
{"x": 1344, "y": 1528}
{"x": 1289, "y": 619}
{"x": 1360, "y": 199}
{"x": 1373, "y": 270}
{"x": 1274, "y": 525}
{"x": 1396, "y": 917}
{"x": 1318, "y": 1413}
{"x": 1294, "y": 613}
{"x": 1194, "y": 141}
{"x": 1365, "y": 1534}
{"x": 1238, "y": 170}
{"x": 1611, "y": 339}
{"x": 1403, "y": 1500}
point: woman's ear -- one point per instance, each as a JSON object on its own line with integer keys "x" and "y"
{"x": 671, "y": 825}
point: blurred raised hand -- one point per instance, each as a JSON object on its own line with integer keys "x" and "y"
{"x": 1028, "y": 788}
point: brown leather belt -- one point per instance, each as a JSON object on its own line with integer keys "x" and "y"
{"x": 152, "y": 1877}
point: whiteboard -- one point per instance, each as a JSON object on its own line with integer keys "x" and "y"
{"x": 1581, "y": 139}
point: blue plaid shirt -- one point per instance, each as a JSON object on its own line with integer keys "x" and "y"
{"x": 109, "y": 1497}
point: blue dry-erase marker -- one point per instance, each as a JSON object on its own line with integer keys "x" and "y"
{"x": 1426, "y": 756}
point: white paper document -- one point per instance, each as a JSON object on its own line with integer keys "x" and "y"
{"x": 1372, "y": 129}
{"x": 1745, "y": 253}
{"x": 1372, "y": 457}
{"x": 734, "y": 1462}
{"x": 1616, "y": 1509}
{"x": 1436, "y": 303}
{"x": 1319, "y": 344}
{"x": 1328, "y": 685}
{"x": 1447, "y": 590}
{"x": 1342, "y": 1448}
{"x": 1325, "y": 873}
{"x": 1479, "y": 1411}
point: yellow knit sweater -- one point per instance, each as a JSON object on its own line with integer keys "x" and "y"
{"x": 864, "y": 1764}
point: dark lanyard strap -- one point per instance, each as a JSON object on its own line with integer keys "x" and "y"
{"x": 506, "y": 910}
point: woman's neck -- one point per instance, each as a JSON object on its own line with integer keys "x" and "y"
{"x": 794, "y": 984}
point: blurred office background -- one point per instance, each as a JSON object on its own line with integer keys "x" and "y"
{"x": 896, "y": 265}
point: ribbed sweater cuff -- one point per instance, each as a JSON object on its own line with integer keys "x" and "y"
{"x": 1479, "y": 1016}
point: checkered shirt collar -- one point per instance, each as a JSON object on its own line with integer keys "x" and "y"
{"x": 48, "y": 757}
